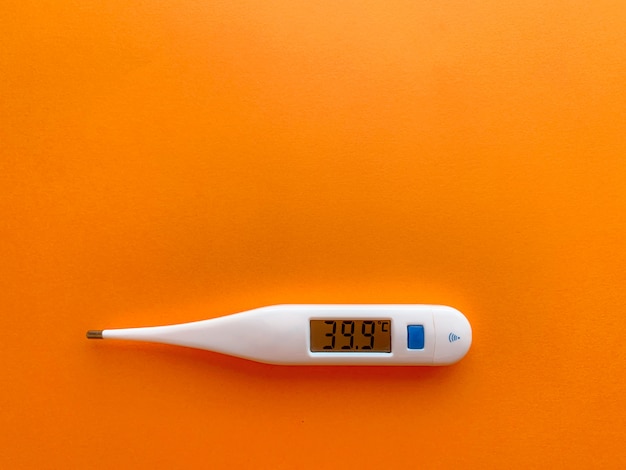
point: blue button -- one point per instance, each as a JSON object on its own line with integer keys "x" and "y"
{"x": 416, "y": 336}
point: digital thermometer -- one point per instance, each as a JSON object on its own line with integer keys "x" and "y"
{"x": 322, "y": 334}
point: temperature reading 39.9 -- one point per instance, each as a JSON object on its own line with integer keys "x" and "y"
{"x": 351, "y": 335}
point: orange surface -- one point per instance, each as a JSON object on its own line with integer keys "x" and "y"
{"x": 165, "y": 162}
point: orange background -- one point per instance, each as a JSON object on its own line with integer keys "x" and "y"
{"x": 164, "y": 162}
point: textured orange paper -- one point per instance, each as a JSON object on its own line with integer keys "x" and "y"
{"x": 163, "y": 162}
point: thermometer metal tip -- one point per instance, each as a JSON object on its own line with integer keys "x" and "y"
{"x": 94, "y": 334}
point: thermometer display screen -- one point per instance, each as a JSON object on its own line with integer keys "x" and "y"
{"x": 338, "y": 335}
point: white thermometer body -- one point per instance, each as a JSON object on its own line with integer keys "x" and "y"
{"x": 322, "y": 334}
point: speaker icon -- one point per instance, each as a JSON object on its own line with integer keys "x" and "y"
{"x": 452, "y": 337}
